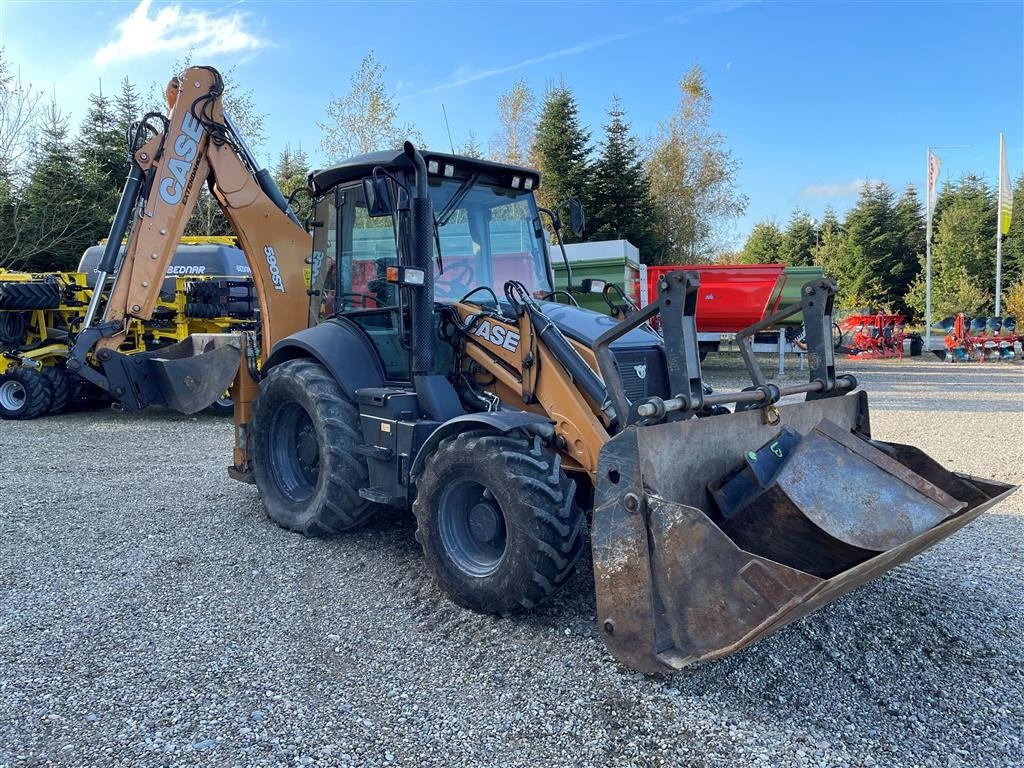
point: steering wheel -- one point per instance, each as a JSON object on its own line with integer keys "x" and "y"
{"x": 456, "y": 280}
{"x": 362, "y": 296}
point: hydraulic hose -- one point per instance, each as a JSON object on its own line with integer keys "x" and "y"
{"x": 108, "y": 262}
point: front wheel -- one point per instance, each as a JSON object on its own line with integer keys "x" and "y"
{"x": 24, "y": 394}
{"x": 497, "y": 521}
{"x": 305, "y": 440}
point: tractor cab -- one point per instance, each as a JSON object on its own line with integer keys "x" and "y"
{"x": 487, "y": 231}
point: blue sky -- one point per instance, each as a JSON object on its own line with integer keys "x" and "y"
{"x": 814, "y": 98}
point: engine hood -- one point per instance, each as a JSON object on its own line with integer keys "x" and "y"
{"x": 585, "y": 325}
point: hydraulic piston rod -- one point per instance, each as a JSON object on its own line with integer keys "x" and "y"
{"x": 765, "y": 394}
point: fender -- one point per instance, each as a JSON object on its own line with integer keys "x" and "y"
{"x": 341, "y": 347}
{"x": 502, "y": 421}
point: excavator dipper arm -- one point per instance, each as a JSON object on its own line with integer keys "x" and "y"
{"x": 199, "y": 145}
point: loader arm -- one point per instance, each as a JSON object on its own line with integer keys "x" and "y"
{"x": 199, "y": 145}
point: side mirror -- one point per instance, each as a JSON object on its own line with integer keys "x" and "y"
{"x": 577, "y": 221}
{"x": 593, "y": 285}
{"x": 377, "y": 192}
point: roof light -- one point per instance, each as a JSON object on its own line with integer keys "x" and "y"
{"x": 433, "y": 167}
{"x": 516, "y": 181}
{"x": 449, "y": 170}
{"x": 528, "y": 184}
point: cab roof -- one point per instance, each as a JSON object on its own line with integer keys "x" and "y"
{"x": 355, "y": 168}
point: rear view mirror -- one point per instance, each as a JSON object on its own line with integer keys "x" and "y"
{"x": 377, "y": 191}
{"x": 577, "y": 221}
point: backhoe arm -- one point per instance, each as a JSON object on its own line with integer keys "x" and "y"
{"x": 198, "y": 144}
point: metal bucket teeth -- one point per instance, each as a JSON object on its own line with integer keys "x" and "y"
{"x": 697, "y": 555}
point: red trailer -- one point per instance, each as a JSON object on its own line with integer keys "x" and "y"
{"x": 732, "y": 296}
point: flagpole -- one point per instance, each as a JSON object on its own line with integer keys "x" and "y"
{"x": 930, "y": 200}
{"x": 928, "y": 253}
{"x": 999, "y": 225}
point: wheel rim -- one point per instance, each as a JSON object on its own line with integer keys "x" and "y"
{"x": 294, "y": 452}
{"x": 12, "y": 395}
{"x": 224, "y": 402}
{"x": 472, "y": 527}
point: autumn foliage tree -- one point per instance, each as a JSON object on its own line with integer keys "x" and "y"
{"x": 365, "y": 118}
{"x": 693, "y": 176}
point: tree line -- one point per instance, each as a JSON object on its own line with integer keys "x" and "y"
{"x": 59, "y": 187}
{"x": 877, "y": 251}
{"x": 673, "y": 196}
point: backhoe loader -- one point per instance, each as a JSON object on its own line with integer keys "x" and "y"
{"x": 430, "y": 365}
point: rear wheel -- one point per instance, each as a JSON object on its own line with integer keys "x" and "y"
{"x": 59, "y": 381}
{"x": 306, "y": 463}
{"x": 497, "y": 521}
{"x": 223, "y": 406}
{"x": 24, "y": 394}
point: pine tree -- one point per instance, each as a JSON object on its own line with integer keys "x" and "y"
{"x": 799, "y": 239}
{"x": 872, "y": 240}
{"x": 832, "y": 249}
{"x": 562, "y": 153}
{"x": 910, "y": 246}
{"x": 103, "y": 155}
{"x": 56, "y": 216}
{"x": 963, "y": 252}
{"x": 620, "y": 205}
{"x": 292, "y": 170}
{"x": 127, "y": 106}
{"x": 764, "y": 244}
{"x": 1013, "y": 243}
{"x": 471, "y": 147}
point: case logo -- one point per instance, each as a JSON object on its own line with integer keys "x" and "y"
{"x": 498, "y": 335}
{"x": 184, "y": 151}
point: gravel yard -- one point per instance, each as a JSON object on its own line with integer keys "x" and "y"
{"x": 150, "y": 614}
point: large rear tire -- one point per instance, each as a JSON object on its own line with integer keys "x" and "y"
{"x": 24, "y": 395}
{"x": 306, "y": 463}
{"x": 497, "y": 521}
{"x": 59, "y": 381}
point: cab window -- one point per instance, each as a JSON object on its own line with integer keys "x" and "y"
{"x": 367, "y": 249}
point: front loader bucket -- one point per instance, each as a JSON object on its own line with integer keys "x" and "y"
{"x": 190, "y": 375}
{"x": 711, "y": 533}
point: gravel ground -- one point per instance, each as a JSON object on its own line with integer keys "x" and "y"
{"x": 150, "y": 614}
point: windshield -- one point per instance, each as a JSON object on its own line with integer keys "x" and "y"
{"x": 488, "y": 236}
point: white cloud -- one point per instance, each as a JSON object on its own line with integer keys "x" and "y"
{"x": 835, "y": 189}
{"x": 172, "y": 29}
{"x": 708, "y": 9}
{"x": 463, "y": 75}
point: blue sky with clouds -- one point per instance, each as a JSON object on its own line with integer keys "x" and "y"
{"x": 814, "y": 98}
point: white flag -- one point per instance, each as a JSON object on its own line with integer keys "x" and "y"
{"x": 934, "y": 164}
{"x": 1005, "y": 190}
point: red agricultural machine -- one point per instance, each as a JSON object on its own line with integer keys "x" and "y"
{"x": 876, "y": 335}
{"x": 977, "y": 339}
{"x": 733, "y": 297}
